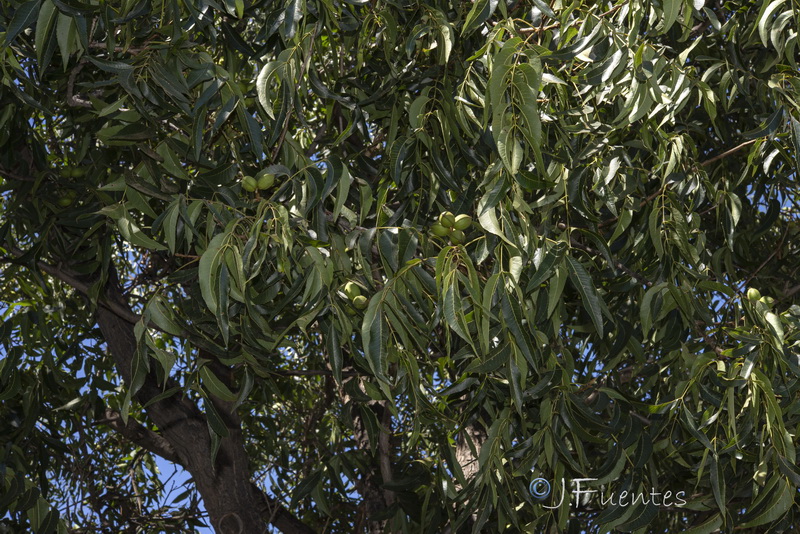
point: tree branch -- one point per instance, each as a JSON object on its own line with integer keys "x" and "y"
{"x": 728, "y": 152}
{"x": 224, "y": 482}
{"x": 385, "y": 453}
{"x": 642, "y": 204}
{"x": 274, "y": 513}
{"x": 790, "y": 292}
{"x": 123, "y": 312}
{"x": 72, "y": 98}
{"x": 701, "y": 164}
{"x": 312, "y": 148}
{"x": 14, "y": 176}
{"x": 769, "y": 258}
{"x": 618, "y": 264}
{"x": 140, "y": 435}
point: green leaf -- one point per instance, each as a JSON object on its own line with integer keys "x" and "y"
{"x": 527, "y": 80}
{"x": 654, "y": 227}
{"x": 688, "y": 418}
{"x": 67, "y": 37}
{"x": 306, "y": 486}
{"x": 135, "y": 235}
{"x": 416, "y": 115}
{"x": 769, "y": 127}
{"x": 552, "y": 257}
{"x": 480, "y": 13}
{"x": 38, "y": 515}
{"x": 24, "y": 16}
{"x": 208, "y": 269}
{"x": 781, "y": 498}
{"x": 215, "y": 386}
{"x": 765, "y": 21}
{"x": 512, "y": 318}
{"x": 671, "y": 10}
{"x": 340, "y": 175}
{"x": 646, "y": 307}
{"x": 293, "y": 15}
{"x": 516, "y": 377}
{"x": 717, "y": 482}
{"x": 775, "y": 326}
{"x": 12, "y": 387}
{"x": 171, "y": 163}
{"x": 333, "y": 342}
{"x": 711, "y": 525}
{"x": 495, "y": 360}
{"x": 544, "y": 7}
{"x": 556, "y": 288}
{"x": 161, "y": 315}
{"x": 222, "y": 308}
{"x": 215, "y": 423}
{"x": 453, "y": 313}
{"x": 373, "y": 334}
{"x": 590, "y": 299}
{"x": 171, "y": 226}
{"x": 44, "y": 33}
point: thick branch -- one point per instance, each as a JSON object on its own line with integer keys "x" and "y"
{"x": 223, "y": 482}
{"x": 374, "y": 499}
{"x": 70, "y": 279}
{"x": 274, "y": 513}
{"x": 468, "y": 448}
{"x": 385, "y": 452}
{"x": 138, "y": 434}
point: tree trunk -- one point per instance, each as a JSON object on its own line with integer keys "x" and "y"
{"x": 235, "y": 505}
{"x": 475, "y": 435}
{"x": 374, "y": 499}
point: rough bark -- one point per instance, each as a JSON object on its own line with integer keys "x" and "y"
{"x": 234, "y": 503}
{"x": 468, "y": 448}
{"x": 374, "y": 498}
{"x": 225, "y": 484}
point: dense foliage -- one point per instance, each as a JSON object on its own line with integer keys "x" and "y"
{"x": 326, "y": 346}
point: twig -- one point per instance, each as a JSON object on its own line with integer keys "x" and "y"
{"x": 309, "y": 372}
{"x": 701, "y": 164}
{"x": 132, "y": 474}
{"x": 772, "y": 255}
{"x": 72, "y": 99}
{"x": 644, "y": 420}
{"x": 312, "y": 148}
{"x": 758, "y": 269}
{"x": 728, "y": 152}
{"x": 15, "y": 176}
{"x": 558, "y": 24}
{"x": 132, "y": 51}
{"x": 618, "y": 264}
{"x": 642, "y": 204}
